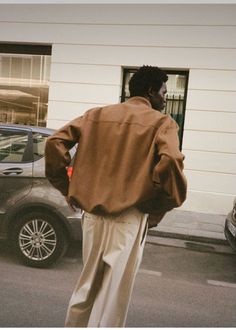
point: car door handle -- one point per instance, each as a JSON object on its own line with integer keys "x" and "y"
{"x": 13, "y": 171}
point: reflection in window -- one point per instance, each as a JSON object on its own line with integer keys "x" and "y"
{"x": 12, "y": 147}
{"x": 39, "y": 141}
{"x": 24, "y": 83}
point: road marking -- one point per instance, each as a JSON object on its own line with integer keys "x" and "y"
{"x": 219, "y": 283}
{"x": 150, "y": 272}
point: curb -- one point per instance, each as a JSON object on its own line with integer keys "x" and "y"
{"x": 194, "y": 243}
{"x": 185, "y": 237}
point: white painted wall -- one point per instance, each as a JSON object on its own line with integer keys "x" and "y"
{"x": 91, "y": 44}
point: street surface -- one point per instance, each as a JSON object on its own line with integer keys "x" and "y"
{"x": 175, "y": 287}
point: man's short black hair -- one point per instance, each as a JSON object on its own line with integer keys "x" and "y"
{"x": 145, "y": 78}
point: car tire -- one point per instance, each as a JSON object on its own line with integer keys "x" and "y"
{"x": 38, "y": 239}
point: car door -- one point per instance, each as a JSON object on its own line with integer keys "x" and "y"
{"x": 15, "y": 165}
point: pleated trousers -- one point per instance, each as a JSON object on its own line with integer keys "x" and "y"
{"x": 112, "y": 253}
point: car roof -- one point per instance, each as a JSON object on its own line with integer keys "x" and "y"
{"x": 42, "y": 130}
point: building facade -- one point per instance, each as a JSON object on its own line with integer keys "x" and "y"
{"x": 88, "y": 49}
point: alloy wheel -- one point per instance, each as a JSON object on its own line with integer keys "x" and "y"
{"x": 37, "y": 239}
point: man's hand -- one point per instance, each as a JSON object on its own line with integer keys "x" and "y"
{"x": 70, "y": 204}
{"x": 154, "y": 219}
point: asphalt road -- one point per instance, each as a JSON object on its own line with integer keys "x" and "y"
{"x": 175, "y": 287}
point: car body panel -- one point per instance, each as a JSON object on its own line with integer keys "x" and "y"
{"x": 29, "y": 189}
{"x": 230, "y": 227}
{"x": 16, "y": 169}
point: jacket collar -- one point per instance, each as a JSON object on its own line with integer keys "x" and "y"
{"x": 139, "y": 100}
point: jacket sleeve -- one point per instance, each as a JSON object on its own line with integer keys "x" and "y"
{"x": 57, "y": 156}
{"x": 168, "y": 176}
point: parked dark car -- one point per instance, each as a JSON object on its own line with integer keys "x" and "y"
{"x": 33, "y": 214}
{"x": 230, "y": 227}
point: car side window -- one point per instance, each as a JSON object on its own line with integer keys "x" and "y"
{"x": 13, "y": 146}
{"x": 39, "y": 141}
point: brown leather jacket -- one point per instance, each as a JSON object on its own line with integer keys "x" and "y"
{"x": 128, "y": 155}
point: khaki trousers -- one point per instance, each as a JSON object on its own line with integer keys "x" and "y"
{"x": 112, "y": 252}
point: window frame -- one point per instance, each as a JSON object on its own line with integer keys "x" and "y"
{"x": 182, "y": 72}
{"x": 27, "y": 49}
{"x": 30, "y": 49}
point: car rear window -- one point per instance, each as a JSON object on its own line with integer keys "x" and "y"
{"x": 39, "y": 141}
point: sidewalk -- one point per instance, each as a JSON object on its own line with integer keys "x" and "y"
{"x": 192, "y": 226}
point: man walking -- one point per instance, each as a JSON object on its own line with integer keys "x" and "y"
{"x": 127, "y": 165}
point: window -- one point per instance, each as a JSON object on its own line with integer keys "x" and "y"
{"x": 13, "y": 146}
{"x": 24, "y": 84}
{"x": 176, "y": 94}
{"x": 39, "y": 142}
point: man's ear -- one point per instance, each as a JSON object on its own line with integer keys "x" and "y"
{"x": 151, "y": 92}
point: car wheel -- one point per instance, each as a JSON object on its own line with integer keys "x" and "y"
{"x": 38, "y": 239}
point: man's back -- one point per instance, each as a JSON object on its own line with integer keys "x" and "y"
{"x": 114, "y": 162}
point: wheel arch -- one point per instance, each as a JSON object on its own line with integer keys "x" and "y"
{"x": 37, "y": 208}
